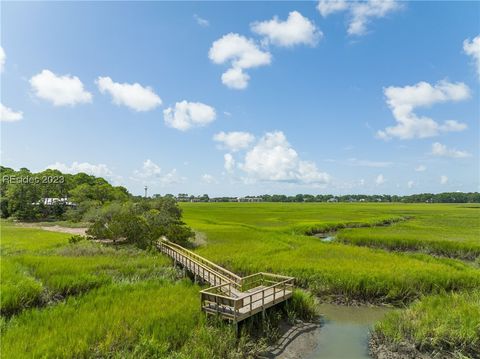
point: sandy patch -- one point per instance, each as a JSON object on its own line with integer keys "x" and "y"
{"x": 55, "y": 228}
{"x": 79, "y": 231}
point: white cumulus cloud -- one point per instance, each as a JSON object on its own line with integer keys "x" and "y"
{"x": 153, "y": 174}
{"x": 328, "y": 7}
{"x": 420, "y": 168}
{"x": 59, "y": 90}
{"x": 134, "y": 96}
{"x": 404, "y": 100}
{"x": 380, "y": 179}
{"x": 149, "y": 169}
{"x": 235, "y": 140}
{"x": 235, "y": 78}
{"x": 410, "y": 184}
{"x": 229, "y": 162}
{"x": 3, "y": 58}
{"x": 99, "y": 170}
{"x": 360, "y": 13}
{"x": 273, "y": 159}
{"x": 296, "y": 30}
{"x": 443, "y": 179}
{"x": 240, "y": 53}
{"x": 472, "y": 48}
{"x": 186, "y": 115}
{"x": 9, "y": 115}
{"x": 441, "y": 150}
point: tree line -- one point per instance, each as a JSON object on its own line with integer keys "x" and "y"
{"x": 110, "y": 212}
{"x": 445, "y": 197}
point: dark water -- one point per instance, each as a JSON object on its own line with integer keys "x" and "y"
{"x": 345, "y": 331}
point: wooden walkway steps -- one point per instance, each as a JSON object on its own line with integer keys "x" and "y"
{"x": 232, "y": 297}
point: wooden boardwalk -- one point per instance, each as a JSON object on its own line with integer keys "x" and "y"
{"x": 232, "y": 297}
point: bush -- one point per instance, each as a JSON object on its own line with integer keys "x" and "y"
{"x": 141, "y": 223}
{"x": 76, "y": 238}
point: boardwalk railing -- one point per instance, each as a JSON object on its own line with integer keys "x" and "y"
{"x": 222, "y": 300}
{"x": 215, "y": 273}
{"x": 232, "y": 297}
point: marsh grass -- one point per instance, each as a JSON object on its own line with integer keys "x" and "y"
{"x": 118, "y": 301}
{"x": 19, "y": 289}
{"x": 17, "y": 240}
{"x": 449, "y": 230}
{"x": 249, "y": 238}
{"x": 107, "y": 320}
{"x": 453, "y": 232}
{"x": 85, "y": 299}
{"x": 446, "y": 322}
{"x": 47, "y": 268}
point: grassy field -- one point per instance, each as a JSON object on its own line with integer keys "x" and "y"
{"x": 268, "y": 237}
{"x": 61, "y": 300}
{"x": 39, "y": 266}
{"x": 443, "y": 229}
{"x": 87, "y": 299}
{"x": 447, "y": 322}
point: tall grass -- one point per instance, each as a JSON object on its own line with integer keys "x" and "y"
{"x": 444, "y": 229}
{"x": 248, "y": 238}
{"x": 48, "y": 268}
{"x": 453, "y": 232}
{"x": 105, "y": 321}
{"x": 151, "y": 319}
{"x": 15, "y": 240}
{"x": 109, "y": 302}
{"x": 446, "y": 322}
{"x": 18, "y": 288}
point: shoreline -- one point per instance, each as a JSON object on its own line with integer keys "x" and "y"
{"x": 380, "y": 349}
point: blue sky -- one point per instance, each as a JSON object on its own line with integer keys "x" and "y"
{"x": 342, "y": 97}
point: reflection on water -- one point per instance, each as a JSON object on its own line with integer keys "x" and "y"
{"x": 344, "y": 333}
{"x": 325, "y": 237}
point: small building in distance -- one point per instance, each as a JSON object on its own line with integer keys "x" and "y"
{"x": 50, "y": 201}
{"x": 250, "y": 199}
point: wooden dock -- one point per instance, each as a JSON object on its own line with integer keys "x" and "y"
{"x": 232, "y": 297}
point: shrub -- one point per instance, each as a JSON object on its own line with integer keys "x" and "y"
{"x": 76, "y": 239}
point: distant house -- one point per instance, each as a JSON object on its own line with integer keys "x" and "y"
{"x": 183, "y": 197}
{"x": 250, "y": 199}
{"x": 50, "y": 201}
{"x": 334, "y": 199}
